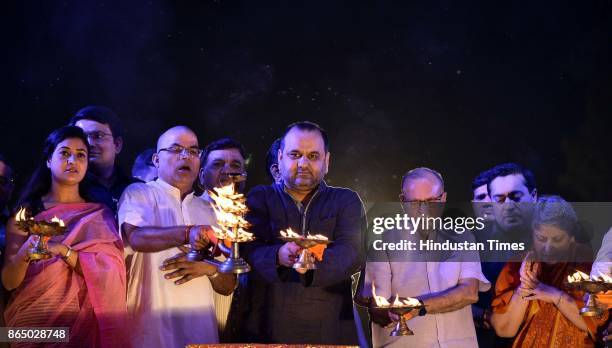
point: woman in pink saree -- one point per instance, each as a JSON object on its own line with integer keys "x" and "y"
{"x": 82, "y": 286}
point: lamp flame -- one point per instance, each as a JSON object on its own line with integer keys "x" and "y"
{"x": 59, "y": 221}
{"x": 581, "y": 276}
{"x": 230, "y": 208}
{"x": 21, "y": 214}
{"x": 397, "y": 302}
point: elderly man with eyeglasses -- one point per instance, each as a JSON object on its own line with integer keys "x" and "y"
{"x": 446, "y": 284}
{"x": 158, "y": 219}
{"x": 105, "y": 181}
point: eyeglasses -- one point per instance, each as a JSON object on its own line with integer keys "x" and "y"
{"x": 183, "y": 151}
{"x": 6, "y": 181}
{"x": 97, "y": 135}
{"x": 417, "y": 202}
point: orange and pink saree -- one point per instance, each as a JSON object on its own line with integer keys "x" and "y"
{"x": 92, "y": 305}
{"x": 544, "y": 325}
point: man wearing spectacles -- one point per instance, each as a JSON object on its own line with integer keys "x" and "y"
{"x": 158, "y": 219}
{"x": 223, "y": 163}
{"x": 222, "y": 159}
{"x": 445, "y": 285}
{"x": 104, "y": 181}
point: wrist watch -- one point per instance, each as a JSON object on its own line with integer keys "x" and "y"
{"x": 422, "y": 310}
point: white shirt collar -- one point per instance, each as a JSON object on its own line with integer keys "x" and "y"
{"x": 173, "y": 191}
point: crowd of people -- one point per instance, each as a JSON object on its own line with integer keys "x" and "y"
{"x": 120, "y": 275}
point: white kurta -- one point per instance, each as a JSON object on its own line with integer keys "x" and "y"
{"x": 163, "y": 314}
{"x": 411, "y": 279}
{"x": 603, "y": 262}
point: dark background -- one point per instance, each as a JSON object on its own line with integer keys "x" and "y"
{"x": 454, "y": 85}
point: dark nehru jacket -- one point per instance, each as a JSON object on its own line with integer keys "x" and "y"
{"x": 286, "y": 307}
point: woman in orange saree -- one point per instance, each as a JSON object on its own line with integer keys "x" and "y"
{"x": 82, "y": 286}
{"x": 531, "y": 302}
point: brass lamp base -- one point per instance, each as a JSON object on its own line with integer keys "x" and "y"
{"x": 591, "y": 309}
{"x": 305, "y": 261}
{"x": 39, "y": 254}
{"x": 401, "y": 328}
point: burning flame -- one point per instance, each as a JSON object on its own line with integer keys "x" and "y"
{"x": 397, "y": 302}
{"x": 581, "y": 276}
{"x": 230, "y": 208}
{"x": 379, "y": 300}
{"x": 316, "y": 236}
{"x": 602, "y": 277}
{"x": 21, "y": 214}
{"x": 59, "y": 221}
{"x": 578, "y": 276}
{"x": 288, "y": 233}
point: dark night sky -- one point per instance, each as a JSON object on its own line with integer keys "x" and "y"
{"x": 458, "y": 86}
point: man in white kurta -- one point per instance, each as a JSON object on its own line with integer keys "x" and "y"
{"x": 156, "y": 219}
{"x": 449, "y": 329}
{"x": 165, "y": 314}
{"x": 445, "y": 282}
{"x": 603, "y": 262}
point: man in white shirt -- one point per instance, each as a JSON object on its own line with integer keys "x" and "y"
{"x": 157, "y": 219}
{"x": 445, "y": 283}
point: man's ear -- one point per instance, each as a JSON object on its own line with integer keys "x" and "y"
{"x": 49, "y": 163}
{"x": 327, "y": 156}
{"x": 443, "y": 198}
{"x": 401, "y": 197}
{"x": 201, "y": 176}
{"x": 118, "y": 144}
{"x": 155, "y": 159}
{"x": 534, "y": 194}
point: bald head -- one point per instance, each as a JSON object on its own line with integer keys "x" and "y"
{"x": 168, "y": 137}
{"x": 178, "y": 158}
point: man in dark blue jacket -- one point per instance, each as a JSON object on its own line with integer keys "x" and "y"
{"x": 299, "y": 306}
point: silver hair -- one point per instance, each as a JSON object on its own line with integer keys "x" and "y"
{"x": 423, "y": 173}
{"x": 555, "y": 211}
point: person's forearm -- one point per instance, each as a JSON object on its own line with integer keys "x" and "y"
{"x": 14, "y": 271}
{"x": 449, "y": 300}
{"x": 339, "y": 263}
{"x": 223, "y": 283}
{"x": 507, "y": 324}
{"x": 72, "y": 260}
{"x": 567, "y": 306}
{"x": 153, "y": 239}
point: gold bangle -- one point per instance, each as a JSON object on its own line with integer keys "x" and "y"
{"x": 65, "y": 257}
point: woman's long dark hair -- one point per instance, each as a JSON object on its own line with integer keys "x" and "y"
{"x": 40, "y": 181}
